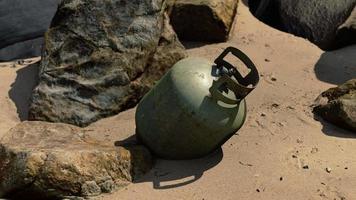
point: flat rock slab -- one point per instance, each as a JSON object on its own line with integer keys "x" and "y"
{"x": 24, "y": 21}
{"x": 203, "y": 20}
{"x": 101, "y": 57}
{"x": 58, "y": 160}
{"x": 338, "y": 105}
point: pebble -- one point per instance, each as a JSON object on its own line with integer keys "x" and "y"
{"x": 263, "y": 114}
{"x": 273, "y": 78}
{"x": 267, "y": 60}
{"x": 314, "y": 150}
{"x": 305, "y": 167}
{"x": 20, "y": 62}
{"x": 275, "y": 105}
{"x": 328, "y": 169}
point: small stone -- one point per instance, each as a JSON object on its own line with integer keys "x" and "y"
{"x": 108, "y": 186}
{"x": 294, "y": 156}
{"x": 281, "y": 178}
{"x": 258, "y": 190}
{"x": 346, "y": 168}
{"x": 305, "y": 167}
{"x": 20, "y": 62}
{"x": 267, "y": 60}
{"x": 275, "y": 105}
{"x": 290, "y": 107}
{"x": 338, "y": 105}
{"x": 90, "y": 188}
{"x": 328, "y": 169}
{"x": 273, "y": 79}
{"x": 314, "y": 150}
{"x": 263, "y": 114}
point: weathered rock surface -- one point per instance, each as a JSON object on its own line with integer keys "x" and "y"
{"x": 338, "y": 105}
{"x": 203, "y": 20}
{"x": 24, "y": 21}
{"x": 58, "y": 160}
{"x": 101, "y": 58}
{"x": 321, "y": 22}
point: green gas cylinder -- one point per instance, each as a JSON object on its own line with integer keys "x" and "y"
{"x": 196, "y": 107}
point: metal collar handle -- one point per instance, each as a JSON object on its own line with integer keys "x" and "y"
{"x": 242, "y": 86}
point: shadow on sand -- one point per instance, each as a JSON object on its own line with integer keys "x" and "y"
{"x": 333, "y": 130}
{"x": 337, "y": 67}
{"x": 167, "y": 174}
{"x": 21, "y": 90}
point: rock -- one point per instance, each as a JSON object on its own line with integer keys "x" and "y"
{"x": 328, "y": 23}
{"x": 338, "y": 105}
{"x": 328, "y": 170}
{"x": 347, "y": 31}
{"x": 101, "y": 58}
{"x": 303, "y": 18}
{"x": 203, "y": 20}
{"x": 58, "y": 160}
{"x": 24, "y": 22}
{"x": 20, "y": 50}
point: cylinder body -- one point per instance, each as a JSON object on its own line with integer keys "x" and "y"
{"x": 178, "y": 118}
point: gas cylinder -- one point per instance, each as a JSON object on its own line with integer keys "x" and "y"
{"x": 196, "y": 106}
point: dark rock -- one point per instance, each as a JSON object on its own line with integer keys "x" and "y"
{"x": 338, "y": 105}
{"x": 101, "y": 58}
{"x": 316, "y": 20}
{"x": 25, "y": 49}
{"x": 346, "y": 33}
{"x": 203, "y": 20}
{"x": 59, "y": 160}
{"x": 328, "y": 23}
{"x": 24, "y": 21}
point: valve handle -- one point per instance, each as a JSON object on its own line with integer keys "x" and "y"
{"x": 242, "y": 86}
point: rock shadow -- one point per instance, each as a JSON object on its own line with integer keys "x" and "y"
{"x": 192, "y": 45}
{"x": 168, "y": 174}
{"x": 332, "y": 130}
{"x": 337, "y": 66}
{"x": 21, "y": 90}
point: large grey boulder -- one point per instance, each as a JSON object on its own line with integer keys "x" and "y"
{"x": 338, "y": 105}
{"x": 101, "y": 57}
{"x": 324, "y": 22}
{"x": 52, "y": 161}
{"x": 346, "y": 33}
{"x": 203, "y": 20}
{"x": 22, "y": 25}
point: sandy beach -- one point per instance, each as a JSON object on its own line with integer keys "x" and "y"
{"x": 282, "y": 152}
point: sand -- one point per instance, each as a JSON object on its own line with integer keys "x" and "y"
{"x": 281, "y": 152}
